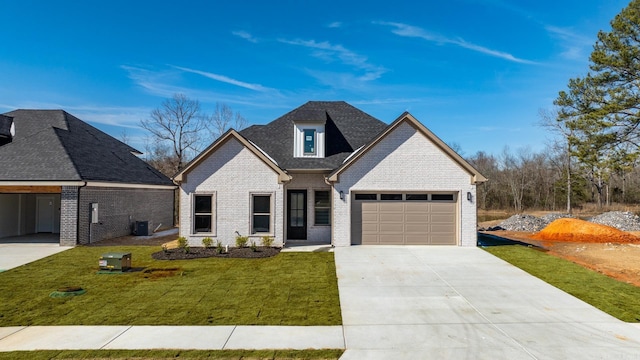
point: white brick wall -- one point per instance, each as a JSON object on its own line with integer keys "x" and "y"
{"x": 311, "y": 182}
{"x": 233, "y": 173}
{"x": 405, "y": 160}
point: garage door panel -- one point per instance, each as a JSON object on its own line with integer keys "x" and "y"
{"x": 391, "y": 217}
{"x": 416, "y": 206}
{"x": 444, "y": 208}
{"x": 370, "y": 217}
{"x": 410, "y": 222}
{"x": 416, "y": 218}
{"x": 370, "y": 239}
{"x": 391, "y": 228}
{"x": 391, "y": 239}
{"x": 422, "y": 228}
{"x": 391, "y": 206}
{"x": 416, "y": 239}
{"x": 441, "y": 239}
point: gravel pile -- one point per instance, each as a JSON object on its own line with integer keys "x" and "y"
{"x": 549, "y": 218}
{"x": 622, "y": 220}
{"x": 523, "y": 222}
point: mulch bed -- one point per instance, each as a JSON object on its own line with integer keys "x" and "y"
{"x": 200, "y": 252}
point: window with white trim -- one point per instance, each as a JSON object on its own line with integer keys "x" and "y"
{"x": 261, "y": 213}
{"x": 321, "y": 207}
{"x": 203, "y": 213}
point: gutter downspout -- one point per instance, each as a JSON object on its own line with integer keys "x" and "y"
{"x": 78, "y": 216}
{"x": 326, "y": 181}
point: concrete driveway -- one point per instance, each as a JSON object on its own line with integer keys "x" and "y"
{"x": 25, "y": 249}
{"x": 414, "y": 302}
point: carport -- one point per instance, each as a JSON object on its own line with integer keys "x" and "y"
{"x": 26, "y": 210}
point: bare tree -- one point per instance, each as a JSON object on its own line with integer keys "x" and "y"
{"x": 224, "y": 118}
{"x": 549, "y": 120}
{"x": 176, "y": 124}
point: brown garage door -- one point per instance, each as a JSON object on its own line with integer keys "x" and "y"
{"x": 404, "y": 219}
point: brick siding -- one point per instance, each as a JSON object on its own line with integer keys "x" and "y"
{"x": 119, "y": 208}
{"x": 232, "y": 174}
{"x": 69, "y": 216}
{"x": 405, "y": 160}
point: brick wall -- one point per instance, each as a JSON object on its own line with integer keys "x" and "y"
{"x": 232, "y": 174}
{"x": 311, "y": 182}
{"x": 119, "y": 208}
{"x": 405, "y": 160}
{"x": 69, "y": 216}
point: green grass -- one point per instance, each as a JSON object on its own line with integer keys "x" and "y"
{"x": 172, "y": 354}
{"x": 288, "y": 289}
{"x": 614, "y": 297}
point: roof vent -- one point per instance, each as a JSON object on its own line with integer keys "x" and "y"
{"x": 7, "y": 129}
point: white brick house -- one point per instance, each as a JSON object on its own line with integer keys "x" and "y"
{"x": 327, "y": 172}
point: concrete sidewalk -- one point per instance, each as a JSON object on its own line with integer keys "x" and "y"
{"x": 170, "y": 337}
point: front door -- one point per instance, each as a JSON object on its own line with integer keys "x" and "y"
{"x": 44, "y": 214}
{"x": 297, "y": 215}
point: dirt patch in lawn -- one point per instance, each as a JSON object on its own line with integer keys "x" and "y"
{"x": 201, "y": 252}
{"x": 580, "y": 231}
{"x": 620, "y": 261}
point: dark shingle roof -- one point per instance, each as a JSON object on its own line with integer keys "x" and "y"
{"x": 53, "y": 145}
{"x": 346, "y": 129}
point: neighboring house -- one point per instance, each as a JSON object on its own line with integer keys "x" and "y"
{"x": 60, "y": 175}
{"x": 328, "y": 172}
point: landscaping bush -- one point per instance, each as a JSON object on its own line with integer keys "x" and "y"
{"x": 207, "y": 242}
{"x": 267, "y": 241}
{"x": 241, "y": 241}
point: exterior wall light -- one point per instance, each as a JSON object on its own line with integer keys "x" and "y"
{"x": 469, "y": 195}
{"x": 341, "y": 195}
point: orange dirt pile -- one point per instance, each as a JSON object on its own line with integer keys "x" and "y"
{"x": 575, "y": 230}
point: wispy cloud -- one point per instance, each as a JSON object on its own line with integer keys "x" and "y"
{"x": 405, "y": 30}
{"x": 335, "y": 25}
{"x": 245, "y": 35}
{"x": 226, "y": 79}
{"x": 328, "y": 52}
{"x": 575, "y": 46}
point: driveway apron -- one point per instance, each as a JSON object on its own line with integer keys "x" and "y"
{"x": 422, "y": 302}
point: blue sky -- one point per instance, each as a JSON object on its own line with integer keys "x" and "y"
{"x": 475, "y": 72}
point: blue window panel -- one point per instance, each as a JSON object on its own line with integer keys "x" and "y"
{"x": 309, "y": 141}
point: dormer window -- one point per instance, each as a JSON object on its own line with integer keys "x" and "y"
{"x": 309, "y": 141}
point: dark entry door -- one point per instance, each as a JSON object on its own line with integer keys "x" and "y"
{"x": 297, "y": 214}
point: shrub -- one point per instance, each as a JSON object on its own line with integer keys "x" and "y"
{"x": 165, "y": 249}
{"x": 241, "y": 241}
{"x": 186, "y": 249}
{"x": 253, "y": 246}
{"x": 207, "y": 242}
{"x": 182, "y": 242}
{"x": 267, "y": 241}
{"x": 219, "y": 248}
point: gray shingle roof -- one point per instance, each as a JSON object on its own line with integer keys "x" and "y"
{"x": 346, "y": 129}
{"x": 53, "y": 145}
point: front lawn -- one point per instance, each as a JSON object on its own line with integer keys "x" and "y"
{"x": 614, "y": 297}
{"x": 288, "y": 289}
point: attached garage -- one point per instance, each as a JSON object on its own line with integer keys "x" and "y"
{"x": 404, "y": 218}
